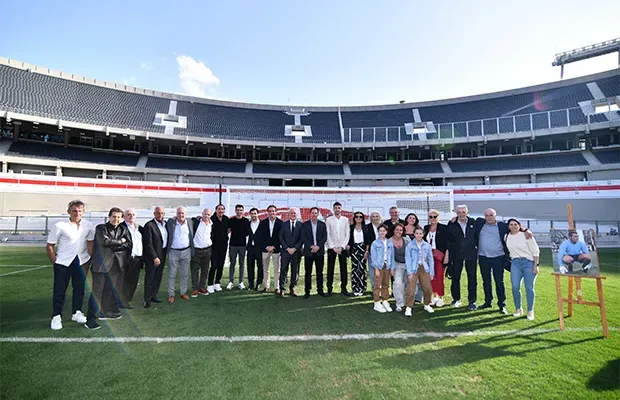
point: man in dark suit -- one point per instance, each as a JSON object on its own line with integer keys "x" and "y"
{"x": 463, "y": 248}
{"x": 254, "y": 252}
{"x": 111, "y": 252}
{"x": 132, "y": 272}
{"x": 394, "y": 218}
{"x": 155, "y": 250}
{"x": 269, "y": 234}
{"x": 180, "y": 252}
{"x": 219, "y": 232}
{"x": 313, "y": 238}
{"x": 290, "y": 239}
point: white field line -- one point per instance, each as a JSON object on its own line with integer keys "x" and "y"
{"x": 292, "y": 338}
{"x": 25, "y": 270}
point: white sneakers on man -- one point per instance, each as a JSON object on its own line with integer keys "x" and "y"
{"x": 399, "y": 309}
{"x": 386, "y": 305}
{"x": 241, "y": 286}
{"x": 429, "y": 309}
{"x": 378, "y": 307}
{"x": 78, "y": 317}
{"x": 217, "y": 287}
{"x": 210, "y": 289}
{"x": 408, "y": 312}
{"x": 229, "y": 286}
{"x": 56, "y": 324}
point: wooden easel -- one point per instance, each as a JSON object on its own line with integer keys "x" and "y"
{"x": 577, "y": 281}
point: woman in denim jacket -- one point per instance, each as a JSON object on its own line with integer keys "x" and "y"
{"x": 382, "y": 263}
{"x": 420, "y": 266}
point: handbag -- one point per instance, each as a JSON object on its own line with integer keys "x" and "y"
{"x": 507, "y": 259}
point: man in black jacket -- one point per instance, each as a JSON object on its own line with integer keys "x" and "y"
{"x": 313, "y": 238}
{"x": 463, "y": 249}
{"x": 254, "y": 252}
{"x": 132, "y": 272}
{"x": 269, "y": 234}
{"x": 111, "y": 253}
{"x": 290, "y": 238}
{"x": 219, "y": 232}
{"x": 155, "y": 243}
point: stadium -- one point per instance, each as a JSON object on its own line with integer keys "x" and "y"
{"x": 527, "y": 152}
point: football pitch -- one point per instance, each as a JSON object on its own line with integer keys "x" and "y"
{"x": 240, "y": 344}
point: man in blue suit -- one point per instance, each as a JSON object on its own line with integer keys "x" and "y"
{"x": 290, "y": 239}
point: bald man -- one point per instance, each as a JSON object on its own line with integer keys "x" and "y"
{"x": 132, "y": 272}
{"x": 154, "y": 252}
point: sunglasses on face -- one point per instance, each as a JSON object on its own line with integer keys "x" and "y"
{"x": 358, "y": 216}
{"x": 432, "y": 216}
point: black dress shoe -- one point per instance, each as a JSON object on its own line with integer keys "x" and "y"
{"x": 329, "y": 293}
{"x": 307, "y": 295}
{"x": 345, "y": 293}
{"x": 485, "y": 305}
{"x": 322, "y": 294}
{"x": 155, "y": 300}
{"x": 147, "y": 304}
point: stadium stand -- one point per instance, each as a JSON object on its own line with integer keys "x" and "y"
{"x": 608, "y": 156}
{"x": 325, "y": 127}
{"x": 292, "y": 168}
{"x": 610, "y": 86}
{"x": 395, "y": 169}
{"x": 52, "y": 151}
{"x": 195, "y": 164}
{"x": 519, "y": 162}
{"x": 383, "y": 118}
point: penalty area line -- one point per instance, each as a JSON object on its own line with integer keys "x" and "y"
{"x": 292, "y": 338}
{"x": 24, "y": 270}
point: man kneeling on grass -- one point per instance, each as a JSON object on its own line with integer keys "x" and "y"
{"x": 110, "y": 258}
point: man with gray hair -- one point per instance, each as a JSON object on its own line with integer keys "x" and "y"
{"x": 290, "y": 239}
{"x": 463, "y": 250}
{"x": 203, "y": 241}
{"x": 132, "y": 272}
{"x": 155, "y": 251}
{"x": 180, "y": 252}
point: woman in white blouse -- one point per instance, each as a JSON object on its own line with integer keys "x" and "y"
{"x": 524, "y": 255}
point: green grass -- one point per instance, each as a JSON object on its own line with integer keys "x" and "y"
{"x": 570, "y": 364}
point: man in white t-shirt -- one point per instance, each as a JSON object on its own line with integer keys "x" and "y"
{"x": 69, "y": 248}
{"x": 338, "y": 232}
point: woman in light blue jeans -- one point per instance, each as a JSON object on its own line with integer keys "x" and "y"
{"x": 524, "y": 255}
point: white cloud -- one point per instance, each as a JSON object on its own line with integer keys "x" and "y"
{"x": 146, "y": 66}
{"x": 195, "y": 77}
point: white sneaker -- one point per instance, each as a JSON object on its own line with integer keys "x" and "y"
{"x": 210, "y": 289}
{"x": 229, "y": 286}
{"x": 434, "y": 301}
{"x": 439, "y": 303}
{"x": 217, "y": 287}
{"x": 386, "y": 305}
{"x": 78, "y": 317}
{"x": 457, "y": 303}
{"x": 563, "y": 270}
{"x": 518, "y": 313}
{"x": 56, "y": 324}
{"x": 241, "y": 286}
{"x": 530, "y": 316}
{"x": 408, "y": 312}
{"x": 429, "y": 309}
{"x": 399, "y": 309}
{"x": 379, "y": 307}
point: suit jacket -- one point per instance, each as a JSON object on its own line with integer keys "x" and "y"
{"x": 254, "y": 238}
{"x": 109, "y": 249}
{"x": 266, "y": 239}
{"x": 463, "y": 247}
{"x": 371, "y": 233}
{"x": 502, "y": 227}
{"x": 442, "y": 236}
{"x": 369, "y": 237}
{"x": 308, "y": 240}
{"x": 152, "y": 243}
{"x": 290, "y": 239}
{"x": 170, "y": 227}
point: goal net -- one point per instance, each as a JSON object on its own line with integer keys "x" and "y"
{"x": 366, "y": 200}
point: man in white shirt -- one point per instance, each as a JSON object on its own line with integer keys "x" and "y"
{"x": 269, "y": 237}
{"x": 132, "y": 273}
{"x": 180, "y": 251}
{"x": 338, "y": 232}
{"x": 201, "y": 260}
{"x": 73, "y": 239}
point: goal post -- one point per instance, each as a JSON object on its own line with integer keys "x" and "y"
{"x": 366, "y": 200}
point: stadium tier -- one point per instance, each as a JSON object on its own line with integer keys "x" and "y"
{"x": 302, "y": 169}
{"x": 195, "y": 165}
{"x": 608, "y": 156}
{"x": 58, "y": 152}
{"x": 519, "y": 162}
{"x": 396, "y": 169}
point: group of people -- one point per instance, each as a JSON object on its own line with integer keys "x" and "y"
{"x": 412, "y": 258}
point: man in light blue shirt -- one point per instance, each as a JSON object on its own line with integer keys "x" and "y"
{"x": 572, "y": 250}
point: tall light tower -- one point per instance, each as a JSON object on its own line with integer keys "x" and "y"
{"x": 583, "y": 53}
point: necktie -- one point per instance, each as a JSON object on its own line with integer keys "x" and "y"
{"x": 292, "y": 226}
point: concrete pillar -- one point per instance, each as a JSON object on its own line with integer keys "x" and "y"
{"x": 5, "y": 167}
{"x": 104, "y": 174}
{"x": 58, "y": 170}
{"x": 111, "y": 146}
{"x": 16, "y": 128}
{"x": 533, "y": 178}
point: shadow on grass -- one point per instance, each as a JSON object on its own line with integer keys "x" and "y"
{"x": 607, "y": 378}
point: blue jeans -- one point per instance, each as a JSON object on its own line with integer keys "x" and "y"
{"x": 522, "y": 268}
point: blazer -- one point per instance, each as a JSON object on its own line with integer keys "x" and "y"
{"x": 371, "y": 233}
{"x": 442, "y": 237}
{"x": 266, "y": 239}
{"x": 337, "y": 237}
{"x": 109, "y": 248}
{"x": 254, "y": 238}
{"x": 170, "y": 227}
{"x": 307, "y": 240}
{"x": 502, "y": 227}
{"x": 412, "y": 258}
{"x": 367, "y": 238}
{"x": 376, "y": 255}
{"x": 463, "y": 247}
{"x": 290, "y": 239}
{"x": 152, "y": 243}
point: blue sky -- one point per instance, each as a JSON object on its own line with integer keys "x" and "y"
{"x": 311, "y": 52}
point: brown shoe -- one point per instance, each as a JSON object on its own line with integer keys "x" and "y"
{"x": 203, "y": 292}
{"x": 194, "y": 293}
{"x": 171, "y": 299}
{"x": 185, "y": 297}
{"x": 293, "y": 293}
